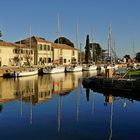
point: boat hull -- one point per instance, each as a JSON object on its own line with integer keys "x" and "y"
{"x": 74, "y": 68}
{"x": 89, "y": 68}
{"x": 51, "y": 70}
{"x": 24, "y": 73}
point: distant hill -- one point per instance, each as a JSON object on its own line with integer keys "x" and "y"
{"x": 64, "y": 40}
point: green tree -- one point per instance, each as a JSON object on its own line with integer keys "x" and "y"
{"x": 64, "y": 40}
{"x": 16, "y": 60}
{"x": 138, "y": 57}
{"x": 96, "y": 52}
{"x": 127, "y": 56}
{"x": 87, "y": 51}
{"x": 0, "y": 34}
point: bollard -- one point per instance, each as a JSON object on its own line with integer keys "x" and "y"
{"x": 109, "y": 73}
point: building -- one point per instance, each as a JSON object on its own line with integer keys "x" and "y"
{"x": 42, "y": 49}
{"x": 12, "y": 54}
{"x": 36, "y": 51}
{"x": 46, "y": 52}
{"x": 64, "y": 54}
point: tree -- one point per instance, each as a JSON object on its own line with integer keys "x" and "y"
{"x": 63, "y": 40}
{"x": 16, "y": 60}
{"x": 127, "y": 57}
{"x": 0, "y": 34}
{"x": 138, "y": 57}
{"x": 87, "y": 51}
{"x": 96, "y": 51}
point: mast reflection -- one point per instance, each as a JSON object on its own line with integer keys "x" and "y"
{"x": 36, "y": 89}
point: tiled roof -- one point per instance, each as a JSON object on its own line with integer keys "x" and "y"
{"x": 33, "y": 39}
{"x": 25, "y": 43}
{"x": 62, "y": 46}
{"x": 40, "y": 39}
{"x": 9, "y": 44}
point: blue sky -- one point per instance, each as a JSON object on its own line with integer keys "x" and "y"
{"x": 92, "y": 16}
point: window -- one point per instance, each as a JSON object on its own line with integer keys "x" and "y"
{"x": 61, "y": 52}
{"x": 16, "y": 51}
{"x": 48, "y": 47}
{"x": 21, "y": 51}
{"x": 65, "y": 60}
{"x": 45, "y": 47}
{"x": 45, "y": 60}
{"x": 40, "y": 59}
{"x": 31, "y": 51}
{"x": 73, "y": 52}
{"x": 40, "y": 46}
{"x": 24, "y": 51}
{"x": 49, "y": 60}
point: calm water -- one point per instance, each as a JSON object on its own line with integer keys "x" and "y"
{"x": 57, "y": 106}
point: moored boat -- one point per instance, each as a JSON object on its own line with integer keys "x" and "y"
{"x": 74, "y": 68}
{"x": 23, "y": 73}
{"x": 89, "y": 67}
{"x": 53, "y": 69}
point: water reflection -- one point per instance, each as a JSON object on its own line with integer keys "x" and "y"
{"x": 39, "y": 88}
{"x": 58, "y": 103}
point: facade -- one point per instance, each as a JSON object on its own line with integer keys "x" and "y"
{"x": 64, "y": 53}
{"x": 36, "y": 51}
{"x": 12, "y": 54}
{"x": 6, "y": 53}
{"x": 46, "y": 53}
{"x": 42, "y": 49}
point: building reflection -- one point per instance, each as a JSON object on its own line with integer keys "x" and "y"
{"x": 39, "y": 88}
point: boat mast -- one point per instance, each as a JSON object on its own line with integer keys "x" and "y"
{"x": 20, "y": 53}
{"x": 110, "y": 44}
{"x": 30, "y": 46}
{"x": 133, "y": 51}
{"x": 77, "y": 42}
{"x": 93, "y": 49}
{"x": 58, "y": 35}
{"x": 58, "y": 27}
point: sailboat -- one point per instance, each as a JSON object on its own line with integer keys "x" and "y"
{"x": 89, "y": 67}
{"x": 55, "y": 68}
{"x": 111, "y": 52}
{"x": 24, "y": 72}
{"x": 74, "y": 67}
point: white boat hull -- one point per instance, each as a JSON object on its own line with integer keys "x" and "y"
{"x": 74, "y": 68}
{"x": 50, "y": 70}
{"x": 24, "y": 73}
{"x": 89, "y": 68}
